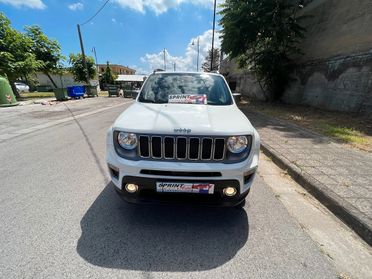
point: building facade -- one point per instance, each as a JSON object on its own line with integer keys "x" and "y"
{"x": 116, "y": 69}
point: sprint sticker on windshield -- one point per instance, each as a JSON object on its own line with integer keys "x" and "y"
{"x": 187, "y": 99}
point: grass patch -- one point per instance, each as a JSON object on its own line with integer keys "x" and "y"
{"x": 37, "y": 95}
{"x": 345, "y": 134}
{"x": 103, "y": 94}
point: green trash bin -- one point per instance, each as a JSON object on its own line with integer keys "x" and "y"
{"x": 91, "y": 91}
{"x": 61, "y": 94}
{"x": 113, "y": 90}
{"x": 7, "y": 98}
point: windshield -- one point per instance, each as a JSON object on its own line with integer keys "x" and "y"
{"x": 185, "y": 88}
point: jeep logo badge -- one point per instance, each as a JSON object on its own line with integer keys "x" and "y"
{"x": 182, "y": 130}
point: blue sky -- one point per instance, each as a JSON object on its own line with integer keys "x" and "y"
{"x": 127, "y": 32}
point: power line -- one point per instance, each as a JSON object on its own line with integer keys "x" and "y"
{"x": 95, "y": 13}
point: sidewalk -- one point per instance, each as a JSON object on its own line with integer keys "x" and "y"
{"x": 339, "y": 176}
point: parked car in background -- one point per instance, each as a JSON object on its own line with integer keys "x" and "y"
{"x": 184, "y": 138}
{"x": 22, "y": 87}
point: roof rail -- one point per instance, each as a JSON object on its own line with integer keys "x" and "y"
{"x": 158, "y": 70}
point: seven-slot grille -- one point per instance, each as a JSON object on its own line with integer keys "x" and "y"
{"x": 181, "y": 148}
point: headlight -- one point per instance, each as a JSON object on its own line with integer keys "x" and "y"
{"x": 237, "y": 144}
{"x": 127, "y": 140}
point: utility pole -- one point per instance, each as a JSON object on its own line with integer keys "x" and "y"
{"x": 174, "y": 66}
{"x": 197, "y": 60}
{"x": 83, "y": 53}
{"x": 165, "y": 62}
{"x": 95, "y": 56}
{"x": 198, "y": 46}
{"x": 214, "y": 26}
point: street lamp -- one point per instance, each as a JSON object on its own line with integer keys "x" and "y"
{"x": 197, "y": 60}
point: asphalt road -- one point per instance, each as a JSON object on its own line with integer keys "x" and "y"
{"x": 60, "y": 218}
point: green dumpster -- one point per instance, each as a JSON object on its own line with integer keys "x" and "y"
{"x": 113, "y": 90}
{"x": 61, "y": 94}
{"x": 91, "y": 91}
{"x": 7, "y": 98}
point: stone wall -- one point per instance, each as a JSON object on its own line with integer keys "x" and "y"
{"x": 336, "y": 71}
{"x": 340, "y": 84}
{"x": 241, "y": 81}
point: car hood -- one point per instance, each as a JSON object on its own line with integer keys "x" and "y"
{"x": 187, "y": 119}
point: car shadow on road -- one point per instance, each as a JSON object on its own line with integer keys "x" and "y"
{"x": 159, "y": 238}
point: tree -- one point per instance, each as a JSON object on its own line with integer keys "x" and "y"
{"x": 78, "y": 70}
{"x": 216, "y": 61}
{"x": 46, "y": 50}
{"x": 108, "y": 76}
{"x": 263, "y": 35}
{"x": 16, "y": 56}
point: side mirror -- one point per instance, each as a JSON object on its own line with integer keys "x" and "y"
{"x": 237, "y": 97}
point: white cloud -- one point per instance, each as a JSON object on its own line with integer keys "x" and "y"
{"x": 33, "y": 4}
{"x": 78, "y": 6}
{"x": 113, "y": 20}
{"x": 161, "y": 6}
{"x": 186, "y": 62}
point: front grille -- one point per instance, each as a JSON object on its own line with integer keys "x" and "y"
{"x": 182, "y": 148}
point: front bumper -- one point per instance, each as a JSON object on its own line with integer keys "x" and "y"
{"x": 147, "y": 192}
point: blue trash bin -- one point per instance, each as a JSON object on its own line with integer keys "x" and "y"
{"x": 76, "y": 91}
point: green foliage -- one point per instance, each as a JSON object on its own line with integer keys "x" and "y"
{"x": 22, "y": 54}
{"x": 263, "y": 35}
{"x": 216, "y": 61}
{"x": 47, "y": 51}
{"x": 77, "y": 67}
{"x": 108, "y": 76}
{"x": 16, "y": 55}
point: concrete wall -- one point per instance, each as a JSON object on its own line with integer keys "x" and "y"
{"x": 241, "y": 81}
{"x": 339, "y": 84}
{"x": 336, "y": 28}
{"x": 336, "y": 71}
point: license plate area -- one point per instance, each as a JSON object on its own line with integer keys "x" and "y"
{"x": 180, "y": 187}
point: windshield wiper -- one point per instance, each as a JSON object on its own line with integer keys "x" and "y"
{"x": 153, "y": 102}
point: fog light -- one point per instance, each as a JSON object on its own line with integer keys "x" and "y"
{"x": 229, "y": 191}
{"x": 131, "y": 188}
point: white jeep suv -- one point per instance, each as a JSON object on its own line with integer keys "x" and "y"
{"x": 183, "y": 140}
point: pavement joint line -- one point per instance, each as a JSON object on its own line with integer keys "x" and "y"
{"x": 57, "y": 122}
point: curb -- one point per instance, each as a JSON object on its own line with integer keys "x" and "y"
{"x": 342, "y": 209}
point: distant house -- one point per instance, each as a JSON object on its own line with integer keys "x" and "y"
{"x": 64, "y": 80}
{"x": 116, "y": 69}
{"x": 133, "y": 81}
